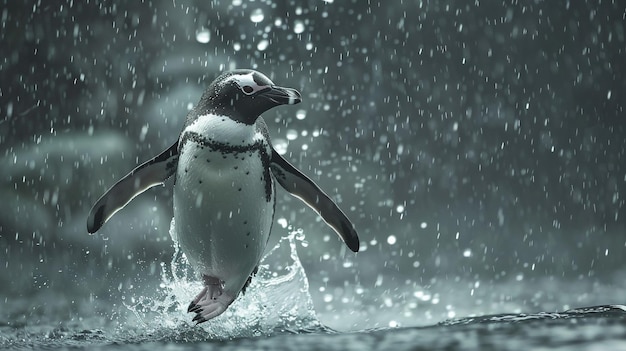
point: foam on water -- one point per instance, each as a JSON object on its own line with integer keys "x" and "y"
{"x": 276, "y": 301}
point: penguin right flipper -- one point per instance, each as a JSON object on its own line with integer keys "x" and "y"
{"x": 145, "y": 176}
{"x": 299, "y": 185}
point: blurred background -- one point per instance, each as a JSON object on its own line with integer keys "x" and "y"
{"x": 479, "y": 147}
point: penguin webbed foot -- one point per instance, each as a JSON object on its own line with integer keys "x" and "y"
{"x": 210, "y": 302}
{"x": 245, "y": 286}
{"x": 209, "y": 308}
{"x": 193, "y": 307}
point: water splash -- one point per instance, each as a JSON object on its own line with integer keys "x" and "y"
{"x": 277, "y": 301}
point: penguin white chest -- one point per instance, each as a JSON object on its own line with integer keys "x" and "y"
{"x": 223, "y": 198}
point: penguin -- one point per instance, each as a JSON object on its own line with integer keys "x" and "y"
{"x": 225, "y": 173}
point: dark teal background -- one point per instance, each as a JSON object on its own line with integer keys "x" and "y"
{"x": 469, "y": 141}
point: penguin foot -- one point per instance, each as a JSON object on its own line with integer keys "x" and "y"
{"x": 210, "y": 302}
{"x": 245, "y": 286}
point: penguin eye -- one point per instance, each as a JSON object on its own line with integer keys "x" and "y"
{"x": 247, "y": 89}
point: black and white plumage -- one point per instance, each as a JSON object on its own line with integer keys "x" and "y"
{"x": 224, "y": 193}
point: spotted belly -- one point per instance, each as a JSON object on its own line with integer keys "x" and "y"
{"x": 223, "y": 208}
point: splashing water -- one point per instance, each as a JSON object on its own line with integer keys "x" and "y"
{"x": 277, "y": 300}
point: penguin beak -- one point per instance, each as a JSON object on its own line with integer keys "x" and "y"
{"x": 281, "y": 96}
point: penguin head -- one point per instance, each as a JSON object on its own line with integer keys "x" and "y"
{"x": 245, "y": 94}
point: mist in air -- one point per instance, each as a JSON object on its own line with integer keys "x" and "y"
{"x": 479, "y": 148}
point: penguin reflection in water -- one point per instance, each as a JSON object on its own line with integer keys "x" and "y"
{"x": 225, "y": 171}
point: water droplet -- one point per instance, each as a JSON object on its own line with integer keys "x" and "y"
{"x": 388, "y": 302}
{"x": 262, "y": 45}
{"x": 379, "y": 280}
{"x": 282, "y": 222}
{"x": 257, "y": 16}
{"x": 143, "y": 133}
{"x": 298, "y": 27}
{"x": 203, "y": 36}
{"x": 292, "y": 134}
{"x": 280, "y": 145}
{"x": 391, "y": 239}
{"x": 301, "y": 114}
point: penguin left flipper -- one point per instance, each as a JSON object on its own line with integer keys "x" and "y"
{"x": 140, "y": 179}
{"x": 301, "y": 186}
